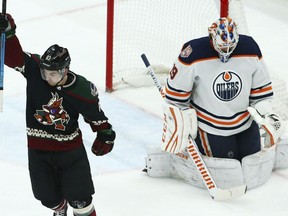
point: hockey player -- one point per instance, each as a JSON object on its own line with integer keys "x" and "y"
{"x": 220, "y": 76}
{"x": 218, "y": 93}
{"x": 58, "y": 164}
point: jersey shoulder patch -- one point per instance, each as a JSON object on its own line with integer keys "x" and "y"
{"x": 195, "y": 50}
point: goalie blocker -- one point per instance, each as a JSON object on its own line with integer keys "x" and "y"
{"x": 178, "y": 124}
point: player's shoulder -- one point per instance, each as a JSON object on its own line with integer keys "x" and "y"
{"x": 80, "y": 87}
{"x": 35, "y": 57}
{"x": 30, "y": 64}
{"x": 247, "y": 46}
{"x": 196, "y": 50}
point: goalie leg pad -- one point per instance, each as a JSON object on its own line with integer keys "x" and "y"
{"x": 257, "y": 168}
{"x": 157, "y": 163}
{"x": 183, "y": 169}
{"x": 281, "y": 158}
{"x": 227, "y": 173}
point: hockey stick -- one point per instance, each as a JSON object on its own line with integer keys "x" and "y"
{"x": 3, "y": 39}
{"x": 152, "y": 74}
{"x": 215, "y": 192}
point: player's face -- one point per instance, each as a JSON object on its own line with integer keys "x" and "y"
{"x": 53, "y": 77}
{"x": 227, "y": 48}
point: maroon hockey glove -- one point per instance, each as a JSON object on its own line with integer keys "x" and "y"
{"x": 104, "y": 141}
{"x": 7, "y": 25}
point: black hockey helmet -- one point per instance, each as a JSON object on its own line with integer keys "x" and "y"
{"x": 55, "y": 58}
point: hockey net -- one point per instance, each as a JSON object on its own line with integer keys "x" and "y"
{"x": 159, "y": 28}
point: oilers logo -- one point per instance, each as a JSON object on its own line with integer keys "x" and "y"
{"x": 227, "y": 86}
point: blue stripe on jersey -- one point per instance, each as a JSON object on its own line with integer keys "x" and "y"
{"x": 216, "y": 116}
{"x": 176, "y": 95}
{"x": 172, "y": 99}
{"x": 223, "y": 128}
{"x": 174, "y": 89}
{"x": 262, "y": 92}
{"x": 265, "y": 96}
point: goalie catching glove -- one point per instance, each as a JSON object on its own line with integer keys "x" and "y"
{"x": 178, "y": 125}
{"x": 272, "y": 124}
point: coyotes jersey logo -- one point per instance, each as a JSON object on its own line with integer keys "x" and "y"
{"x": 53, "y": 113}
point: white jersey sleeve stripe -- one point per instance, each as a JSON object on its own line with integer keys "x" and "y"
{"x": 174, "y": 95}
{"x": 261, "y": 93}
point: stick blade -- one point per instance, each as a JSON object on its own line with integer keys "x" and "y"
{"x": 226, "y": 194}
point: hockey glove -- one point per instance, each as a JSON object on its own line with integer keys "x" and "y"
{"x": 7, "y": 25}
{"x": 178, "y": 126}
{"x": 272, "y": 125}
{"x": 104, "y": 141}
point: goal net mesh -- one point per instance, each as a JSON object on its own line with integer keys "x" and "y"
{"x": 159, "y": 28}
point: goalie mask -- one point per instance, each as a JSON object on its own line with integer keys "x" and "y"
{"x": 53, "y": 64}
{"x": 224, "y": 37}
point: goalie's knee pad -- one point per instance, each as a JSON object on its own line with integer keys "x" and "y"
{"x": 226, "y": 173}
{"x": 157, "y": 163}
{"x": 281, "y": 158}
{"x": 257, "y": 168}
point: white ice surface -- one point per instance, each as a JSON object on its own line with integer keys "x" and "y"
{"x": 121, "y": 188}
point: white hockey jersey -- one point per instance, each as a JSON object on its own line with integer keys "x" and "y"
{"x": 219, "y": 92}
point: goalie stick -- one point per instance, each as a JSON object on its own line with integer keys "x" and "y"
{"x": 3, "y": 39}
{"x": 192, "y": 149}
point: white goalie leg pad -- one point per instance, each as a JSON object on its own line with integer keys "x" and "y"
{"x": 183, "y": 169}
{"x": 226, "y": 173}
{"x": 281, "y": 158}
{"x": 178, "y": 124}
{"x": 157, "y": 163}
{"x": 257, "y": 168}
